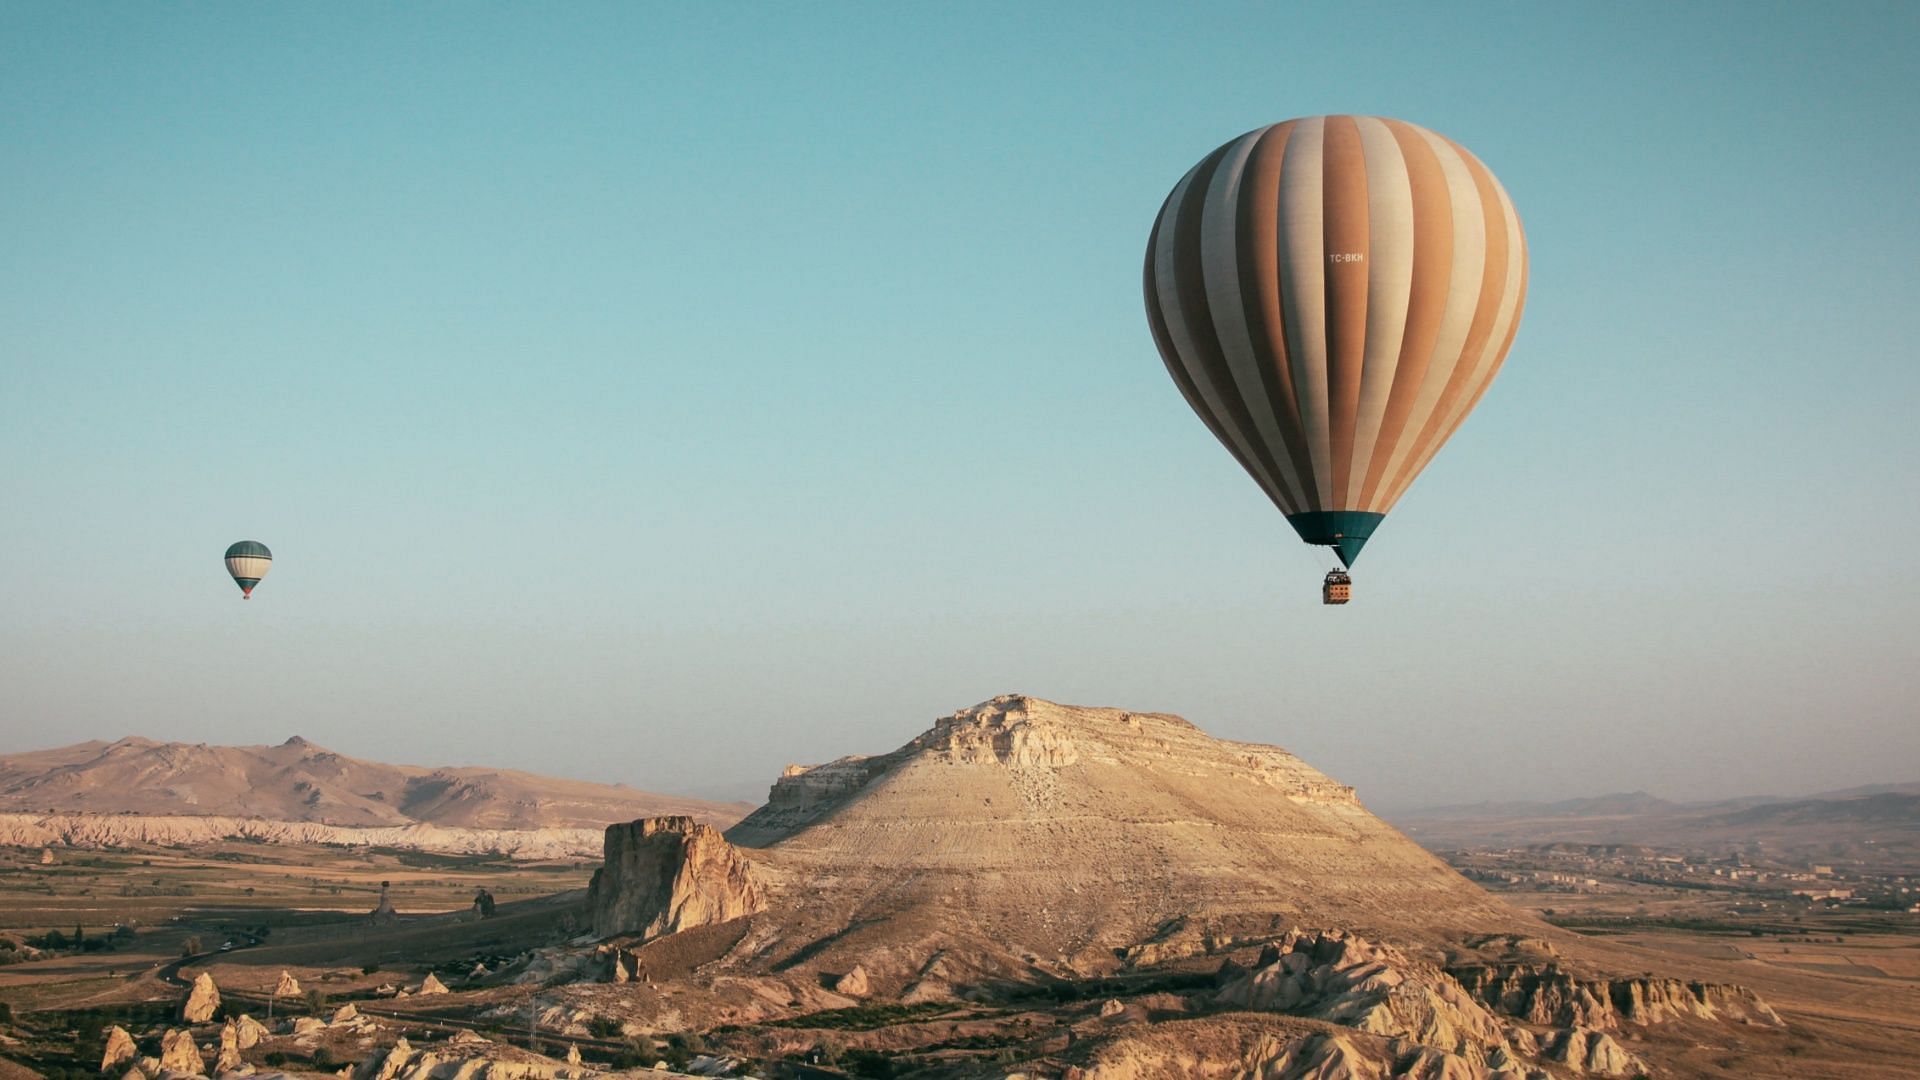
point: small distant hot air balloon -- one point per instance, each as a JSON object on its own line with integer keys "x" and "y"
{"x": 248, "y": 561}
{"x": 1332, "y": 295}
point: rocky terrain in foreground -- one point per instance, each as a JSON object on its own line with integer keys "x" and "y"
{"x": 1102, "y": 894}
{"x": 1025, "y": 890}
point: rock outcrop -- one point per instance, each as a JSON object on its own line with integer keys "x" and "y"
{"x": 1028, "y": 829}
{"x": 465, "y": 1057}
{"x": 179, "y": 1054}
{"x": 391, "y": 1064}
{"x": 383, "y": 913}
{"x": 1020, "y": 848}
{"x": 203, "y": 999}
{"x": 1592, "y": 1051}
{"x": 853, "y": 983}
{"x": 287, "y": 986}
{"x": 1342, "y": 979}
{"x": 1240, "y": 1047}
{"x": 228, "y": 1060}
{"x": 1549, "y": 995}
{"x": 664, "y": 875}
{"x": 120, "y": 1049}
{"x": 249, "y": 1031}
{"x": 432, "y": 985}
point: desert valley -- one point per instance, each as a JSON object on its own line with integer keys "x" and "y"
{"x": 1024, "y": 889}
{"x": 666, "y": 423}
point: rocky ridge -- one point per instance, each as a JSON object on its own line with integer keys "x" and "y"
{"x": 298, "y": 781}
{"x": 175, "y": 830}
{"x": 1345, "y": 980}
{"x": 1547, "y": 994}
{"x": 1022, "y": 846}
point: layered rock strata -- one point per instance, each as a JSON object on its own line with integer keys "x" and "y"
{"x": 665, "y": 875}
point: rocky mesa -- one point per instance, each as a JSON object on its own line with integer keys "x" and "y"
{"x": 1247, "y": 915}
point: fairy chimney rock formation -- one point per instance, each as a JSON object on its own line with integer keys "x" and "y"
{"x": 201, "y": 1001}
{"x": 854, "y": 983}
{"x": 229, "y": 1059}
{"x": 383, "y": 913}
{"x": 120, "y": 1049}
{"x": 249, "y": 1031}
{"x": 667, "y": 874}
{"x": 179, "y": 1054}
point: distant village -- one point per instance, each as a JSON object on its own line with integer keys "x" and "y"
{"x": 1751, "y": 883}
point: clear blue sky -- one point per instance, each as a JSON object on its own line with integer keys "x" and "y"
{"x": 666, "y": 393}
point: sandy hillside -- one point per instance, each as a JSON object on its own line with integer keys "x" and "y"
{"x": 298, "y": 781}
{"x": 1072, "y": 833}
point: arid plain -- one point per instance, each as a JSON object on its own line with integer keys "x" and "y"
{"x": 1025, "y": 889}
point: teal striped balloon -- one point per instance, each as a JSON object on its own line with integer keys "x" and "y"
{"x": 248, "y": 561}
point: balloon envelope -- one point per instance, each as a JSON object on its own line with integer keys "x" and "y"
{"x": 1332, "y": 295}
{"x": 248, "y": 561}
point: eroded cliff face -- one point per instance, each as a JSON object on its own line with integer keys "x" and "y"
{"x": 1546, "y": 994}
{"x": 1342, "y": 979}
{"x": 668, "y": 874}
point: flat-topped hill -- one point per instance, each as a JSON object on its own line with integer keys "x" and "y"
{"x": 1075, "y": 834}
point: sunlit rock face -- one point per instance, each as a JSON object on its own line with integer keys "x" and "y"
{"x": 1021, "y": 828}
{"x": 1546, "y": 994}
{"x": 668, "y": 874}
{"x": 203, "y": 999}
{"x": 179, "y": 1054}
{"x": 1021, "y": 846}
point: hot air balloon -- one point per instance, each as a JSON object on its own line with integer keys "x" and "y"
{"x": 248, "y": 561}
{"x": 1332, "y": 295}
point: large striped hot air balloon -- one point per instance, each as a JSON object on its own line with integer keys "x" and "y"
{"x": 1332, "y": 295}
{"x": 248, "y": 561}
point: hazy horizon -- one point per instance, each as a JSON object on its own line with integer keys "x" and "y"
{"x": 756, "y": 795}
{"x": 664, "y": 396}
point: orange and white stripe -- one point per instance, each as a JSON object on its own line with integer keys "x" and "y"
{"x": 1332, "y": 295}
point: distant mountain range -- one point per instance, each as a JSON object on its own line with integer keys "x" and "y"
{"x": 1874, "y": 814}
{"x": 298, "y": 781}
